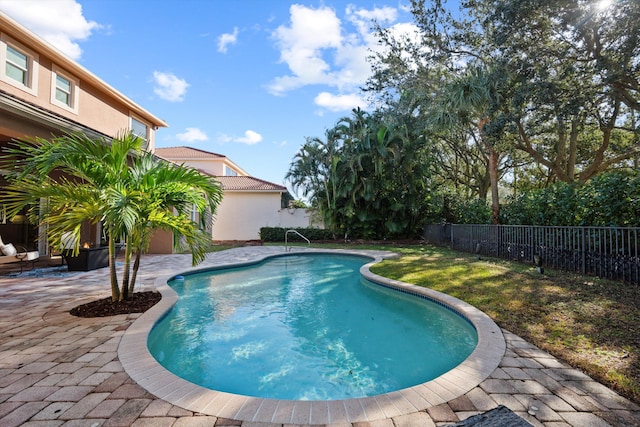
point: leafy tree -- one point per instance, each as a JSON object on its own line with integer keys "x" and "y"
{"x": 473, "y": 98}
{"x": 560, "y": 84}
{"x": 577, "y": 85}
{"x": 609, "y": 199}
{"x": 311, "y": 171}
{"x": 455, "y": 84}
{"x": 378, "y": 177}
{"x": 113, "y": 181}
{"x": 386, "y": 180}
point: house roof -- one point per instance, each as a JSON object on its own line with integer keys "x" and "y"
{"x": 248, "y": 183}
{"x": 186, "y": 153}
{"x": 25, "y": 36}
{"x": 229, "y": 183}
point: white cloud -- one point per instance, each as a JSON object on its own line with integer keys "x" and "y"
{"x": 321, "y": 49}
{"x": 250, "y": 138}
{"x": 409, "y": 32}
{"x": 192, "y": 135}
{"x": 301, "y": 45}
{"x": 339, "y": 102}
{"x": 59, "y": 22}
{"x": 169, "y": 87}
{"x": 227, "y": 39}
{"x": 405, "y": 30}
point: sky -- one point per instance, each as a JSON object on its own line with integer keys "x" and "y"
{"x": 249, "y": 79}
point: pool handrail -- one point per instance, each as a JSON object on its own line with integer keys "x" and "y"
{"x": 286, "y": 244}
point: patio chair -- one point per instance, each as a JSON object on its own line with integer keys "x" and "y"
{"x": 11, "y": 254}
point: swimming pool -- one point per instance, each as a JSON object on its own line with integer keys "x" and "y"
{"x": 145, "y": 371}
{"x": 305, "y": 327}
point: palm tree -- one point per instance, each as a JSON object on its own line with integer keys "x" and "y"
{"x": 472, "y": 99}
{"x": 160, "y": 189}
{"x": 110, "y": 181}
{"x": 313, "y": 170}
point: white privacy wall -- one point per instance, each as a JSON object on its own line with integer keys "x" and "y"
{"x": 241, "y": 215}
{"x": 294, "y": 218}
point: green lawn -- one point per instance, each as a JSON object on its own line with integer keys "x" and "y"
{"x": 591, "y": 324}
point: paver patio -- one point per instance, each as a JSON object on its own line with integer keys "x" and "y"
{"x": 60, "y": 370}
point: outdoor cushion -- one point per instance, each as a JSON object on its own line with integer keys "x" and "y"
{"x": 8, "y": 249}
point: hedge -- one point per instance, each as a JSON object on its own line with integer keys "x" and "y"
{"x": 276, "y": 234}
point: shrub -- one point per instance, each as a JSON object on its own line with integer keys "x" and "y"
{"x": 454, "y": 208}
{"x": 276, "y": 234}
{"x": 609, "y": 199}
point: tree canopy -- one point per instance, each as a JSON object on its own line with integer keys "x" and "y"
{"x": 503, "y": 97}
{"x": 369, "y": 178}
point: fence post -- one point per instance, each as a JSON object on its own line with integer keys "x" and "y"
{"x": 452, "y": 225}
{"x": 584, "y": 252}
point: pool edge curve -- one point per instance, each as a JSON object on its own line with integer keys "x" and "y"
{"x": 140, "y": 365}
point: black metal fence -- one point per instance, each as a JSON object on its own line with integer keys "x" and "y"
{"x": 608, "y": 252}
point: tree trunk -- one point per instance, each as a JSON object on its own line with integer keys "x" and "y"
{"x": 484, "y": 184}
{"x": 113, "y": 275}
{"x": 134, "y": 274}
{"x": 125, "y": 274}
{"x": 493, "y": 174}
{"x": 493, "y": 158}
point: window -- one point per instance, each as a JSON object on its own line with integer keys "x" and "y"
{"x": 141, "y": 130}
{"x": 229, "y": 172}
{"x": 18, "y": 65}
{"x": 64, "y": 90}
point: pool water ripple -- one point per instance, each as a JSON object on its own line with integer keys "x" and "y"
{"x": 143, "y": 369}
{"x": 305, "y": 327}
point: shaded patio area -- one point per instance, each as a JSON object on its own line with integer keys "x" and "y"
{"x": 60, "y": 370}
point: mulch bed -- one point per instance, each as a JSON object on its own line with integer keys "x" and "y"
{"x": 139, "y": 302}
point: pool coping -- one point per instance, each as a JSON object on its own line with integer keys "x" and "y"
{"x": 140, "y": 365}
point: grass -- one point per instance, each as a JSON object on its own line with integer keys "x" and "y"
{"x": 591, "y": 324}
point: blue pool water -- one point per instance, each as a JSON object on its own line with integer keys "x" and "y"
{"x": 305, "y": 327}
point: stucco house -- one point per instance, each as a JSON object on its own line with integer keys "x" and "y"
{"x": 248, "y": 203}
{"x": 43, "y": 93}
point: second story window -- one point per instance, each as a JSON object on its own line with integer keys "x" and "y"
{"x": 18, "y": 65}
{"x": 141, "y": 130}
{"x": 229, "y": 172}
{"x": 64, "y": 90}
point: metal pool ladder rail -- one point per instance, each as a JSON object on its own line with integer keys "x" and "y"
{"x": 286, "y": 235}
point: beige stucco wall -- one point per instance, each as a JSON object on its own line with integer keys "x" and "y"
{"x": 161, "y": 242}
{"x": 93, "y": 108}
{"x": 212, "y": 167}
{"x": 241, "y": 215}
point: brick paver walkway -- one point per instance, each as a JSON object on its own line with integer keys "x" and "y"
{"x": 59, "y": 370}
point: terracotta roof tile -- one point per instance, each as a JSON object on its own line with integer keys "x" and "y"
{"x": 186, "y": 153}
{"x": 248, "y": 183}
{"x": 229, "y": 183}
